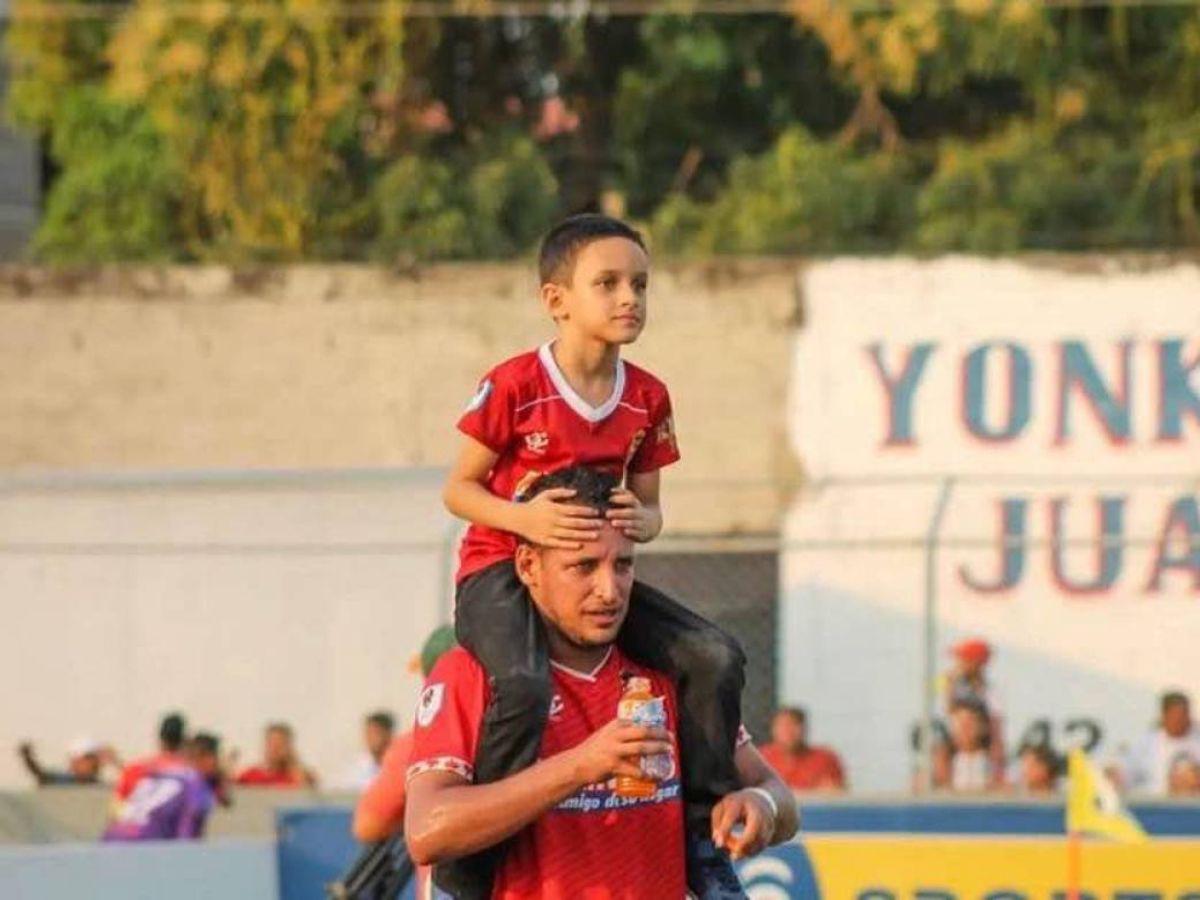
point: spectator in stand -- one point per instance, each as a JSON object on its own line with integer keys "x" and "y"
{"x": 380, "y": 811}
{"x": 1148, "y": 764}
{"x": 172, "y": 800}
{"x": 1184, "y": 777}
{"x": 281, "y": 767}
{"x": 801, "y": 766}
{"x": 172, "y": 732}
{"x": 378, "y": 729}
{"x": 86, "y": 759}
{"x": 1040, "y": 770}
{"x": 969, "y": 767}
{"x": 967, "y": 681}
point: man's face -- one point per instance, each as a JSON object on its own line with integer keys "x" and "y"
{"x": 376, "y": 737}
{"x": 205, "y": 763}
{"x": 85, "y": 767}
{"x": 278, "y": 748}
{"x": 583, "y": 593}
{"x": 1177, "y": 719}
{"x": 606, "y": 296}
{"x": 788, "y": 731}
{"x": 1035, "y": 773}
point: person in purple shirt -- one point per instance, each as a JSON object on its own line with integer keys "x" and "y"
{"x": 171, "y": 802}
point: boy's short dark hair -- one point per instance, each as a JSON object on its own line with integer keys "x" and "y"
{"x": 593, "y": 487}
{"x": 383, "y": 719}
{"x": 562, "y": 243}
{"x": 171, "y": 731}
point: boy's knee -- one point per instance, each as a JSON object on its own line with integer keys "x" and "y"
{"x": 718, "y": 656}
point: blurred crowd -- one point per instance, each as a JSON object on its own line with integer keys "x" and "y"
{"x": 170, "y": 792}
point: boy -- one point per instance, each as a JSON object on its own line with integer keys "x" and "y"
{"x": 575, "y": 402}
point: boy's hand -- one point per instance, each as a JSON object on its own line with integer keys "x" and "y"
{"x": 549, "y": 521}
{"x": 617, "y": 749}
{"x": 633, "y": 518}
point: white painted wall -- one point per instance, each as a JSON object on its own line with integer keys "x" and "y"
{"x": 853, "y": 571}
{"x": 237, "y": 599}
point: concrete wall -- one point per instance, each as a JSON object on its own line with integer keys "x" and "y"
{"x": 315, "y": 367}
{"x": 236, "y": 598}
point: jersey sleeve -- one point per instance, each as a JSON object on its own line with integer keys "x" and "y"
{"x": 659, "y": 448}
{"x": 488, "y": 417}
{"x": 449, "y": 717}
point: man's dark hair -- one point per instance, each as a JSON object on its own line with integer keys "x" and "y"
{"x": 281, "y": 727}
{"x": 1045, "y": 754}
{"x": 593, "y": 488}
{"x": 171, "y": 731}
{"x": 1173, "y": 698}
{"x": 383, "y": 719}
{"x": 795, "y": 712}
{"x": 562, "y": 243}
{"x": 204, "y": 742}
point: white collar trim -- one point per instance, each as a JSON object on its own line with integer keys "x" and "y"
{"x": 586, "y": 676}
{"x": 571, "y": 398}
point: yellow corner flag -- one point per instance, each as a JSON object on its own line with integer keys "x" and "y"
{"x": 1093, "y": 806}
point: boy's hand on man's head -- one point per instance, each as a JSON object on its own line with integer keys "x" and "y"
{"x": 633, "y": 518}
{"x": 549, "y": 520}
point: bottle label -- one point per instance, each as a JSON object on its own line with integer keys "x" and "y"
{"x": 651, "y": 713}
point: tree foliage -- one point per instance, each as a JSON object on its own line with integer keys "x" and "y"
{"x": 290, "y": 129}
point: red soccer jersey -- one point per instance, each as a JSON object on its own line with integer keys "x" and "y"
{"x": 594, "y": 845}
{"x": 527, "y": 413}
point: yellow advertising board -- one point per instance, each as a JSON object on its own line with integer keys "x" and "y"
{"x": 892, "y": 867}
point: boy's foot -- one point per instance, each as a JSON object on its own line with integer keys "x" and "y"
{"x": 710, "y": 874}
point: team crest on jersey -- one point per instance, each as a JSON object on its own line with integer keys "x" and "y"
{"x": 537, "y": 442}
{"x": 431, "y": 703}
{"x": 556, "y": 706}
{"x": 481, "y": 395}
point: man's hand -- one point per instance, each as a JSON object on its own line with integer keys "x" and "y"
{"x": 549, "y": 521}
{"x": 633, "y": 518}
{"x": 753, "y": 813}
{"x": 617, "y": 749}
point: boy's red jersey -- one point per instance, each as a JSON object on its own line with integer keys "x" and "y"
{"x": 527, "y": 413}
{"x": 594, "y": 845}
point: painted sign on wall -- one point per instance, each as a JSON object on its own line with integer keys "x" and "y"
{"x": 1066, "y": 406}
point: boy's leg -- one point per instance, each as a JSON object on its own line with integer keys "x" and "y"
{"x": 708, "y": 668}
{"x": 496, "y": 621}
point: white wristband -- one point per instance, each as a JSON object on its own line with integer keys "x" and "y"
{"x": 766, "y": 795}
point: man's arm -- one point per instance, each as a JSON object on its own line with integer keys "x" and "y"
{"x": 446, "y": 817}
{"x": 29, "y": 758}
{"x": 761, "y": 824}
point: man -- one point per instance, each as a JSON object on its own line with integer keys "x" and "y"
{"x": 1148, "y": 765}
{"x": 801, "y": 766}
{"x": 378, "y": 729}
{"x": 171, "y": 735}
{"x": 281, "y": 767}
{"x": 572, "y": 834}
{"x": 172, "y": 800}
{"x": 85, "y": 760}
{"x": 380, "y": 810}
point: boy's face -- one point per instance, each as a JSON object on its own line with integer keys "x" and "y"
{"x": 606, "y": 296}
